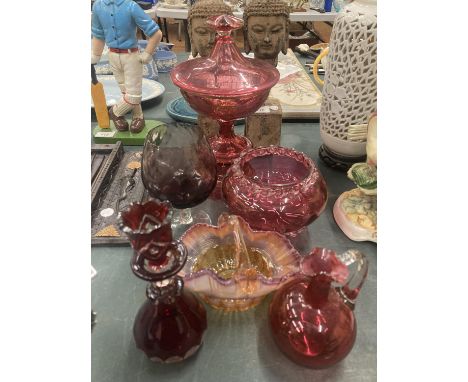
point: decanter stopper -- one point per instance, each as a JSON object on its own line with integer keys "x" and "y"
{"x": 224, "y": 24}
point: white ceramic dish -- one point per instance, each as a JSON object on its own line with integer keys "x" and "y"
{"x": 151, "y": 89}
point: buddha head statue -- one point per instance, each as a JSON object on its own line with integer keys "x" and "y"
{"x": 202, "y": 37}
{"x": 266, "y": 29}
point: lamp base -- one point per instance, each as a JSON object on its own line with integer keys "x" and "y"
{"x": 337, "y": 161}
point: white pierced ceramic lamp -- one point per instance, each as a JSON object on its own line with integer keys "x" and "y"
{"x": 350, "y": 88}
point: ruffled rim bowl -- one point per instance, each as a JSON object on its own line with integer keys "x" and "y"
{"x": 283, "y": 258}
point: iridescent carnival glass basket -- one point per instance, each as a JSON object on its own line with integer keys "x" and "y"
{"x": 232, "y": 267}
{"x": 225, "y": 86}
{"x": 275, "y": 189}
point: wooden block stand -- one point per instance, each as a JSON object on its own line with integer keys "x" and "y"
{"x": 264, "y": 127}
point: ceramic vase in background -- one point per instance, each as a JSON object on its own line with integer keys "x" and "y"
{"x": 350, "y": 88}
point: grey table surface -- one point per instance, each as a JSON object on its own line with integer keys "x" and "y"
{"x": 237, "y": 346}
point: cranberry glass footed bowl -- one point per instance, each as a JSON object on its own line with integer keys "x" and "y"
{"x": 226, "y": 85}
{"x": 275, "y": 189}
{"x": 233, "y": 267}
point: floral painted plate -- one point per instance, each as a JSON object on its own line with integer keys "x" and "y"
{"x": 151, "y": 89}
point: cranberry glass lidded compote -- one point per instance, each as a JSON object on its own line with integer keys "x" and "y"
{"x": 225, "y": 86}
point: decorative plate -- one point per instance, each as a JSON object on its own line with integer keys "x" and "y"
{"x": 151, "y": 89}
{"x": 180, "y": 110}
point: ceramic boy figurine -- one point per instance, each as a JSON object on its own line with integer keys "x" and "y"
{"x": 266, "y": 29}
{"x": 114, "y": 23}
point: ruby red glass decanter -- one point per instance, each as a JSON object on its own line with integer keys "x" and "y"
{"x": 169, "y": 326}
{"x": 275, "y": 189}
{"x": 311, "y": 317}
{"x": 225, "y": 86}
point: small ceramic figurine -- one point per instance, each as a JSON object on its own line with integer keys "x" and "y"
{"x": 202, "y": 37}
{"x": 114, "y": 22}
{"x": 266, "y": 29}
{"x": 355, "y": 211}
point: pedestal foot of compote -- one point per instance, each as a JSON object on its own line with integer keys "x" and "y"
{"x": 227, "y": 148}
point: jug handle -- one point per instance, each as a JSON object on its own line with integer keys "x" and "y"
{"x": 357, "y": 265}
{"x": 316, "y": 64}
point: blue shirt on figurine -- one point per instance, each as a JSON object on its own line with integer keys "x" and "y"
{"x": 115, "y": 21}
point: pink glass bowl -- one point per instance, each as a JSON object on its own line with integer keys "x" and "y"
{"x": 275, "y": 189}
{"x": 226, "y": 284}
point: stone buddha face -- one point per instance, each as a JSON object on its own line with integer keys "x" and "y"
{"x": 266, "y": 29}
{"x": 266, "y": 36}
{"x": 202, "y": 36}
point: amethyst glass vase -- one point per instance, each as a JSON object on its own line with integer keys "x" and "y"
{"x": 225, "y": 86}
{"x": 311, "y": 317}
{"x": 275, "y": 189}
{"x": 169, "y": 326}
{"x": 178, "y": 165}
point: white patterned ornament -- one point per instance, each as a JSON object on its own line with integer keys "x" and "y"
{"x": 350, "y": 89}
